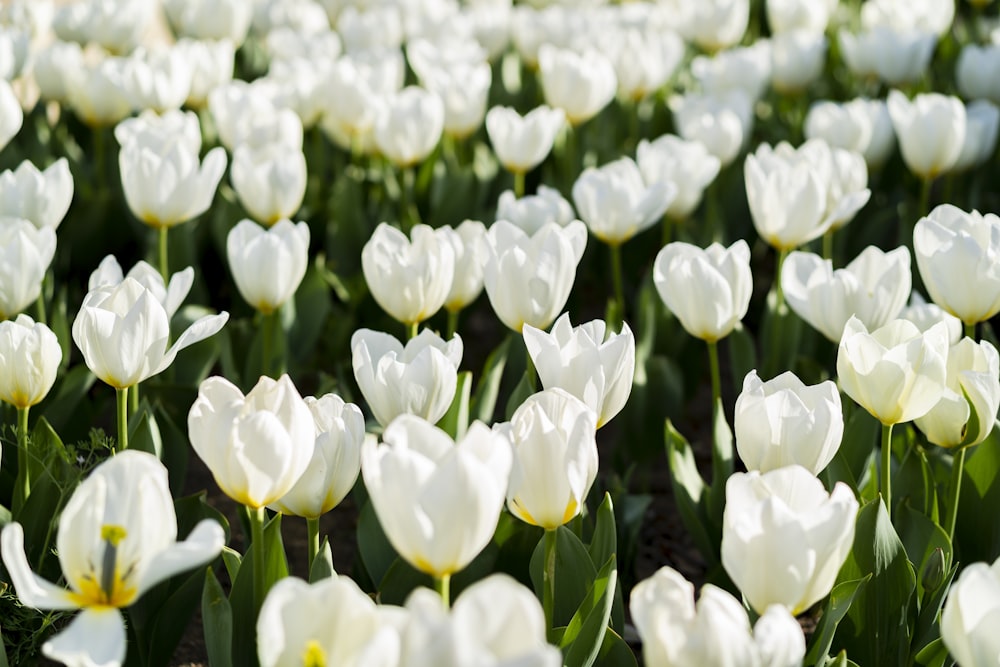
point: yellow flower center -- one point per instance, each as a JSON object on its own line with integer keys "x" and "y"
{"x": 108, "y": 586}
{"x": 314, "y": 655}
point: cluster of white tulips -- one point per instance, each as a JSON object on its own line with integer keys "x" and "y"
{"x": 313, "y": 197}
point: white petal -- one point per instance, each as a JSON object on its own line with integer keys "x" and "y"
{"x": 95, "y": 638}
{"x": 202, "y": 545}
{"x": 32, "y": 590}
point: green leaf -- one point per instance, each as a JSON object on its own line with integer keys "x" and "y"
{"x": 861, "y": 435}
{"x": 935, "y": 654}
{"x": 171, "y": 619}
{"x": 312, "y": 305}
{"x": 920, "y": 537}
{"x": 834, "y": 610}
{"x": 484, "y": 402}
{"x": 216, "y": 622}
{"x": 241, "y": 598}
{"x": 575, "y": 573}
{"x": 377, "y": 554}
{"x": 456, "y": 420}
{"x": 742, "y": 355}
{"x": 399, "y": 581}
{"x": 689, "y": 492}
{"x": 913, "y": 483}
{"x": 603, "y": 544}
{"x": 722, "y": 463}
{"x": 977, "y": 532}
{"x": 615, "y": 652}
{"x": 75, "y": 385}
{"x": 522, "y": 391}
{"x": 322, "y": 567}
{"x": 3, "y": 652}
{"x": 581, "y": 643}
{"x": 232, "y": 560}
{"x": 143, "y": 432}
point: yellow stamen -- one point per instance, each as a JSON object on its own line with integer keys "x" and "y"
{"x": 314, "y": 655}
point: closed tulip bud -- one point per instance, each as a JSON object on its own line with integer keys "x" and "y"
{"x": 581, "y": 361}
{"x": 555, "y": 458}
{"x": 418, "y": 378}
{"x": 210, "y": 19}
{"x": 256, "y": 446}
{"x": 714, "y": 632}
{"x": 968, "y": 408}
{"x": 171, "y": 295}
{"x": 496, "y": 621}
{"x": 532, "y": 212}
{"x": 982, "y": 122}
{"x": 896, "y": 372}
{"x": 437, "y": 500}
{"x": 528, "y": 278}
{"x": 783, "y": 422}
{"x": 329, "y": 622}
{"x": 797, "y": 59}
{"x": 410, "y": 278}
{"x": 269, "y": 181}
{"x": 686, "y": 164}
{"x": 41, "y": 197}
{"x": 25, "y": 255}
{"x": 931, "y": 130}
{"x": 766, "y": 513}
{"x": 841, "y": 125}
{"x": 716, "y": 24}
{"x": 896, "y": 56}
{"x": 707, "y": 290}
{"x": 873, "y": 287}
{"x": 968, "y": 620}
{"x": 268, "y": 264}
{"x": 579, "y": 84}
{"x": 955, "y": 250}
{"x": 409, "y": 126}
{"x": 522, "y": 142}
{"x": 29, "y": 359}
{"x": 11, "y": 114}
{"x": 974, "y": 72}
{"x": 616, "y": 203}
{"x": 925, "y": 315}
{"x": 719, "y": 122}
{"x": 123, "y": 330}
{"x": 468, "y": 240}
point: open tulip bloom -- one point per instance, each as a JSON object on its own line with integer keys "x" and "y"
{"x": 117, "y": 538}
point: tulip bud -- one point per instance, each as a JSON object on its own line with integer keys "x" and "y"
{"x": 532, "y": 212}
{"x": 268, "y": 264}
{"x": 29, "y": 360}
{"x": 521, "y": 143}
{"x": 409, "y": 126}
{"x": 25, "y": 255}
{"x": 41, "y": 197}
{"x": 615, "y": 202}
{"x": 270, "y": 181}
{"x": 931, "y": 130}
{"x": 767, "y": 512}
{"x": 468, "y": 240}
{"x": 579, "y": 84}
{"x": 968, "y": 620}
{"x": 932, "y": 576}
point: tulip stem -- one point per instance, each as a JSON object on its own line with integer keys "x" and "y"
{"x": 266, "y": 344}
{"x": 312, "y": 526}
{"x": 257, "y": 518}
{"x": 452, "y": 324}
{"x": 970, "y": 330}
{"x": 780, "y": 293}
{"x": 549, "y": 578}
{"x": 40, "y": 307}
{"x": 412, "y": 329}
{"x": 828, "y": 245}
{"x": 886, "y": 485}
{"x": 133, "y": 399}
{"x": 122, "y": 405}
{"x": 666, "y": 231}
{"x": 713, "y": 362}
{"x": 518, "y": 184}
{"x": 442, "y": 585}
{"x": 925, "y": 196}
{"x": 409, "y": 214}
{"x": 616, "y": 277}
{"x": 23, "y": 469}
{"x": 164, "y": 270}
{"x": 957, "y": 469}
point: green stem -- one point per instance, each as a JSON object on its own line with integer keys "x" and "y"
{"x": 442, "y": 585}
{"x": 40, "y": 307}
{"x": 312, "y": 527}
{"x": 925, "y": 196}
{"x": 713, "y": 362}
{"x": 412, "y": 329}
{"x": 782, "y": 254}
{"x": 122, "y": 405}
{"x": 267, "y": 343}
{"x": 616, "y": 276}
{"x": 828, "y": 245}
{"x": 957, "y": 469}
{"x": 970, "y": 330}
{"x": 666, "y": 231}
{"x": 23, "y": 469}
{"x": 164, "y": 269}
{"x": 257, "y": 518}
{"x": 100, "y": 158}
{"x": 886, "y": 481}
{"x": 530, "y": 370}
{"x": 549, "y": 578}
{"x": 452, "y": 324}
{"x": 133, "y": 399}
{"x": 518, "y": 184}
{"x": 409, "y": 213}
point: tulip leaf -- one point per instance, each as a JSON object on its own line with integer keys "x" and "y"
{"x": 935, "y": 654}
{"x": 914, "y": 484}
{"x": 834, "y": 610}
{"x": 781, "y": 331}
{"x": 977, "y": 531}
{"x": 742, "y": 355}
{"x": 861, "y": 435}
{"x": 690, "y": 493}
{"x": 522, "y": 391}
{"x": 377, "y": 554}
{"x": 3, "y": 652}
{"x": 925, "y": 630}
{"x": 312, "y": 306}
{"x": 920, "y": 537}
{"x": 232, "y": 560}
{"x": 75, "y": 385}
{"x": 216, "y": 622}
{"x": 722, "y": 463}
{"x": 399, "y": 581}
{"x": 456, "y": 420}
{"x": 603, "y": 544}
{"x": 614, "y": 651}
{"x": 575, "y": 573}
{"x": 840, "y": 660}
{"x": 170, "y": 620}
{"x": 484, "y": 402}
{"x": 322, "y": 567}
{"x": 581, "y": 643}
{"x": 143, "y": 432}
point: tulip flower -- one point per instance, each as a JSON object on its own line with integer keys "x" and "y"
{"x": 41, "y": 197}
{"x": 528, "y": 278}
{"x": 982, "y": 121}
{"x": 270, "y": 181}
{"x": 893, "y": 54}
{"x": 716, "y": 24}
{"x": 532, "y": 212}
{"x": 925, "y": 315}
{"x": 644, "y": 60}
{"x": 158, "y": 79}
{"x": 410, "y": 278}
{"x": 873, "y": 287}
{"x": 745, "y": 69}
{"x": 931, "y": 130}
{"x": 686, "y": 164}
{"x": 468, "y": 241}
{"x": 11, "y": 114}
{"x": 418, "y": 379}
{"x": 955, "y": 250}
{"x": 522, "y": 142}
{"x": 464, "y": 89}
{"x": 117, "y": 538}
{"x": 268, "y": 264}
{"x": 721, "y": 122}
{"x": 968, "y": 620}
{"x": 929, "y": 16}
{"x": 329, "y": 622}
{"x": 355, "y": 93}
{"x": 783, "y": 422}
{"x": 25, "y": 255}
{"x": 766, "y": 513}
{"x": 806, "y": 15}
{"x": 581, "y": 361}
{"x": 212, "y": 65}
{"x": 495, "y": 621}
{"x": 171, "y": 295}
{"x": 714, "y": 632}
{"x": 579, "y": 84}
{"x": 973, "y": 72}
{"x": 797, "y": 59}
{"x": 210, "y": 19}
{"x": 53, "y": 67}
{"x": 409, "y": 126}
{"x": 245, "y": 115}
{"x": 97, "y": 93}
{"x": 860, "y": 125}
{"x": 437, "y": 500}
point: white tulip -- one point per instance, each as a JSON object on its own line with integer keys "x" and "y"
{"x": 797, "y": 59}
{"x": 719, "y": 122}
{"x": 982, "y": 120}
{"x": 171, "y": 295}
{"x": 270, "y": 181}
{"x": 716, "y": 24}
{"x": 925, "y": 315}
{"x": 745, "y": 69}
{"x": 212, "y": 65}
{"x": 686, "y": 164}
{"x": 158, "y": 79}
{"x": 29, "y": 360}
{"x": 532, "y": 212}
{"x": 895, "y": 56}
{"x": 974, "y": 72}
{"x": 54, "y": 66}
{"x": 25, "y": 254}
{"x": 268, "y": 265}
{"x": 468, "y": 241}
{"x": 616, "y": 203}
{"x": 644, "y": 60}
{"x": 409, "y": 126}
{"x": 969, "y": 617}
{"x": 11, "y": 114}
{"x": 210, "y": 19}
{"x": 41, "y": 197}
{"x": 98, "y": 95}
{"x": 522, "y": 142}
{"x": 931, "y": 130}
{"x": 579, "y": 84}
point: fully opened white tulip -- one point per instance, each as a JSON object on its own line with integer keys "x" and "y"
{"x": 973, "y": 384}
{"x": 109, "y": 274}
{"x": 410, "y": 278}
{"x": 532, "y": 212}
{"x": 494, "y": 622}
{"x": 896, "y": 372}
{"x": 29, "y": 359}
{"x": 686, "y": 164}
{"x": 117, "y": 538}
{"x": 122, "y": 331}
{"x": 970, "y": 616}
{"x": 958, "y": 255}
{"x": 765, "y": 515}
{"x": 714, "y": 632}
{"x": 707, "y": 290}
{"x": 257, "y": 446}
{"x": 522, "y": 142}
{"x": 270, "y": 181}
{"x": 528, "y": 278}
{"x": 874, "y": 288}
{"x": 588, "y": 361}
{"x": 931, "y": 131}
{"x": 555, "y": 458}
{"x": 783, "y": 422}
{"x": 616, "y": 203}
{"x": 25, "y": 255}
{"x": 418, "y": 379}
{"x": 439, "y": 501}
{"x": 268, "y": 264}
{"x": 336, "y": 461}
{"x": 409, "y": 126}
{"x": 329, "y": 622}
{"x": 468, "y": 240}
{"x": 41, "y": 197}
{"x": 579, "y": 84}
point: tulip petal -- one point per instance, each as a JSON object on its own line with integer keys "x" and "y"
{"x": 95, "y": 638}
{"x": 203, "y": 328}
{"x": 32, "y": 590}
{"x": 202, "y": 545}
